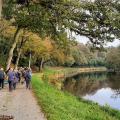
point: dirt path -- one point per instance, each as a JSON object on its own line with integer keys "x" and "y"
{"x": 21, "y": 104}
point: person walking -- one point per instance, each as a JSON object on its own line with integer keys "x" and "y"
{"x": 16, "y": 79}
{"x": 11, "y": 77}
{"x": 2, "y": 78}
{"x": 19, "y": 75}
{"x": 28, "y": 76}
{"x": 23, "y": 73}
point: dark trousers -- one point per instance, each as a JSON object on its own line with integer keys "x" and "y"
{"x": 19, "y": 79}
{"x": 10, "y": 85}
{"x": 2, "y": 83}
{"x": 14, "y": 85}
{"x": 28, "y": 83}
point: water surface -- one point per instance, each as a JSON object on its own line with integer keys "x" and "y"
{"x": 102, "y": 88}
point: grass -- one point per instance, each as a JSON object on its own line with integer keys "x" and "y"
{"x": 48, "y": 71}
{"x": 58, "y": 105}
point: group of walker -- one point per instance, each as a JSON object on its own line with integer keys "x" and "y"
{"x": 15, "y": 76}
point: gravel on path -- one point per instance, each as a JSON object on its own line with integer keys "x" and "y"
{"x": 21, "y": 104}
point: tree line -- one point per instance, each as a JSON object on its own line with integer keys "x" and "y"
{"x": 44, "y": 29}
{"x": 45, "y": 51}
{"x": 113, "y": 58}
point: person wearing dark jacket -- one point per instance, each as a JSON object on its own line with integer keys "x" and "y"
{"x": 28, "y": 76}
{"x": 16, "y": 78}
{"x": 2, "y": 78}
{"x": 11, "y": 77}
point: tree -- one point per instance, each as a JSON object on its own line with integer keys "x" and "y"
{"x": 113, "y": 58}
{"x": 16, "y": 38}
{"x": 0, "y": 9}
{"x": 78, "y": 56}
{"x": 48, "y": 18}
{"x": 28, "y": 15}
{"x": 20, "y": 46}
{"x": 69, "y": 61}
{"x": 96, "y": 21}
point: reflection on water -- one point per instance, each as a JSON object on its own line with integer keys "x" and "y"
{"x": 102, "y": 88}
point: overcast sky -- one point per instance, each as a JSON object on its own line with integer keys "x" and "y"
{"x": 84, "y": 40}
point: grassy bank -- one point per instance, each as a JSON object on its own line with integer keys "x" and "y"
{"x": 60, "y": 72}
{"x": 56, "y": 75}
{"x": 58, "y": 105}
{"x": 67, "y": 70}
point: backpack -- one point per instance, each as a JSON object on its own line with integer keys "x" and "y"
{"x": 28, "y": 75}
{"x": 1, "y": 74}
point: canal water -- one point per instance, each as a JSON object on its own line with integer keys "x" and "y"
{"x": 102, "y": 88}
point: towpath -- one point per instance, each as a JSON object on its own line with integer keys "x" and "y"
{"x": 21, "y": 104}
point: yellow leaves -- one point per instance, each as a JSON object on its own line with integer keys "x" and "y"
{"x": 33, "y": 36}
{"x": 48, "y": 44}
{"x": 40, "y": 48}
{"x": 9, "y": 32}
{"x": 6, "y": 29}
{"x": 59, "y": 55}
{"x": 44, "y": 48}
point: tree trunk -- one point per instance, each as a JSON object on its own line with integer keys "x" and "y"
{"x": 10, "y": 56}
{"x": 1, "y": 8}
{"x": 30, "y": 60}
{"x": 22, "y": 42}
{"x": 18, "y": 58}
{"x": 41, "y": 65}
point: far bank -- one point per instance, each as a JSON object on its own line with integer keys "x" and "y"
{"x": 56, "y": 73}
